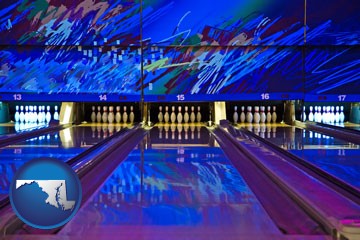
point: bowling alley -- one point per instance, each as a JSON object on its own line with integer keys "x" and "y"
{"x": 177, "y": 120}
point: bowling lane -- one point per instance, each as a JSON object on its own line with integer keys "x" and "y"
{"x": 63, "y": 145}
{"x": 178, "y": 185}
{"x": 12, "y": 128}
{"x": 338, "y": 157}
{"x": 347, "y": 125}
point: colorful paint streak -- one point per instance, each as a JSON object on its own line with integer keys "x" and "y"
{"x": 70, "y": 70}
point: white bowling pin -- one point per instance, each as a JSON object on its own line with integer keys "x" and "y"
{"x": 337, "y": 115}
{"x": 242, "y": 114}
{"x": 332, "y": 114}
{"x": 341, "y": 116}
{"x": 160, "y": 115}
{"x": 22, "y": 114}
{"x": 117, "y": 115}
{"x": 249, "y": 115}
{"x": 256, "y": 115}
{"x": 173, "y": 115}
{"x": 98, "y": 115}
{"x": 179, "y": 115}
{"x": 166, "y": 115}
{"x": 262, "y": 114}
{"x": 132, "y": 115}
{"x": 56, "y": 113}
{"x": 186, "y": 114}
{"x": 30, "y": 114}
{"x": 93, "y": 114}
{"x": 48, "y": 114}
{"x": 311, "y": 114}
{"x": 125, "y": 115}
{"x": 274, "y": 115}
{"x": 268, "y": 115}
{"x": 104, "y": 116}
{"x": 111, "y": 116}
{"x": 35, "y": 115}
{"x": 26, "y": 114}
{"x": 198, "y": 115}
{"x": 40, "y": 115}
{"x": 323, "y": 116}
{"x": 192, "y": 115}
{"x": 17, "y": 114}
{"x": 235, "y": 115}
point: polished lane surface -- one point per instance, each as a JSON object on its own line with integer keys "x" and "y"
{"x": 174, "y": 185}
{"x": 12, "y": 128}
{"x": 63, "y": 145}
{"x": 337, "y": 157}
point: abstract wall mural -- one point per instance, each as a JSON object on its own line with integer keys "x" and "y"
{"x": 222, "y": 70}
{"x": 55, "y": 22}
{"x": 69, "y": 69}
{"x": 197, "y": 48}
{"x": 225, "y": 23}
{"x": 334, "y": 22}
{"x": 332, "y": 70}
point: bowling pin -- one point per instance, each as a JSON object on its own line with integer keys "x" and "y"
{"x": 311, "y": 114}
{"x": 337, "y": 115}
{"x": 17, "y": 114}
{"x": 192, "y": 115}
{"x": 256, "y": 115}
{"x": 22, "y": 114}
{"x": 104, "y": 116}
{"x": 40, "y": 115}
{"x": 316, "y": 114}
{"x": 125, "y": 115}
{"x": 198, "y": 115}
{"x": 186, "y": 114}
{"x": 26, "y": 114}
{"x": 117, "y": 115}
{"x": 166, "y": 115}
{"x": 304, "y": 114}
{"x": 235, "y": 115}
{"x": 332, "y": 114}
{"x": 48, "y": 114}
{"x": 98, "y": 115}
{"x": 179, "y": 115}
{"x": 341, "y": 116}
{"x": 242, "y": 114}
{"x": 160, "y": 115}
{"x": 111, "y": 116}
{"x": 323, "y": 116}
{"x": 262, "y": 114}
{"x": 274, "y": 115}
{"x": 268, "y": 115}
{"x": 35, "y": 115}
{"x": 93, "y": 115}
{"x": 56, "y": 113}
{"x": 172, "y": 115}
{"x": 132, "y": 115}
{"x": 249, "y": 115}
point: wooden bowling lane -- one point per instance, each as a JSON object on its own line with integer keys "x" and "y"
{"x": 173, "y": 192}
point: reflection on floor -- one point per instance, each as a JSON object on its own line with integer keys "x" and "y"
{"x": 169, "y": 191}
